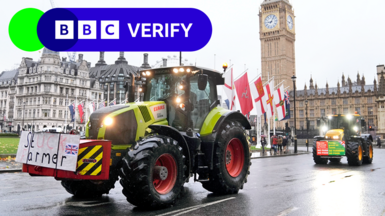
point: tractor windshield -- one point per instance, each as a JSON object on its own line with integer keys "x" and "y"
{"x": 348, "y": 123}
{"x": 162, "y": 86}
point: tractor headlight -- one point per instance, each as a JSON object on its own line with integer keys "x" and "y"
{"x": 108, "y": 121}
{"x": 355, "y": 128}
{"x": 349, "y": 117}
{"x": 336, "y": 137}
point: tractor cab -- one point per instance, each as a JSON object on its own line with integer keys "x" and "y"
{"x": 189, "y": 92}
{"x": 341, "y": 127}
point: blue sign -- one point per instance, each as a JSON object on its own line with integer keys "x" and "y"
{"x": 124, "y": 29}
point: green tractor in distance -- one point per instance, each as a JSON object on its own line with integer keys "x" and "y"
{"x": 343, "y": 138}
{"x": 176, "y": 133}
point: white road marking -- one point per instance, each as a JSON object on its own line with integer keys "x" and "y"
{"x": 86, "y": 204}
{"x": 34, "y": 197}
{"x": 287, "y": 211}
{"x": 193, "y": 208}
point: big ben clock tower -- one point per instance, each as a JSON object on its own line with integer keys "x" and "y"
{"x": 277, "y": 35}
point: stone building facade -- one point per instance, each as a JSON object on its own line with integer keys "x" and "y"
{"x": 277, "y": 35}
{"x": 347, "y": 98}
{"x": 8, "y": 80}
{"x": 43, "y": 88}
{"x": 112, "y": 77}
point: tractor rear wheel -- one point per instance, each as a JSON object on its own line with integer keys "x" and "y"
{"x": 152, "y": 173}
{"x": 231, "y": 160}
{"x": 317, "y": 159}
{"x": 90, "y": 189}
{"x": 354, "y": 153}
{"x": 369, "y": 158}
{"x": 335, "y": 160}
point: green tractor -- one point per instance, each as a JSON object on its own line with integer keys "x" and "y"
{"x": 343, "y": 138}
{"x": 178, "y": 132}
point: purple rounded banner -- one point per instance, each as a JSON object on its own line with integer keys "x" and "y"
{"x": 124, "y": 29}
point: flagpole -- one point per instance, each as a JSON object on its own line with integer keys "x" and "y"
{"x": 242, "y": 73}
{"x": 65, "y": 121}
{"x": 274, "y": 117}
{"x": 255, "y": 78}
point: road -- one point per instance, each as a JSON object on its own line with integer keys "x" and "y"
{"x": 278, "y": 186}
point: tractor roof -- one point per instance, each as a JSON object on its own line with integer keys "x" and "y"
{"x": 216, "y": 75}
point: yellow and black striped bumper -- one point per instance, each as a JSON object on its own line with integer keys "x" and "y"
{"x": 90, "y": 160}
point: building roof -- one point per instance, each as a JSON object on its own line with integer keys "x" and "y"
{"x": 265, "y": 2}
{"x": 9, "y": 75}
{"x": 113, "y": 70}
{"x": 334, "y": 90}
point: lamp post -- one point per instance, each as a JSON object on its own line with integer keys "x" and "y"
{"x": 307, "y": 129}
{"x": 224, "y": 66}
{"x": 295, "y": 119}
{"x": 23, "y": 116}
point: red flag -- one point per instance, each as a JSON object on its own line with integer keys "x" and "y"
{"x": 81, "y": 114}
{"x": 243, "y": 93}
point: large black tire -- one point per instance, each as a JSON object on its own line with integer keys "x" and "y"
{"x": 317, "y": 159}
{"x": 90, "y": 189}
{"x": 369, "y": 158}
{"x": 335, "y": 160}
{"x": 354, "y": 153}
{"x": 140, "y": 185}
{"x": 229, "y": 174}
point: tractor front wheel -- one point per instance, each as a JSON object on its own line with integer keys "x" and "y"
{"x": 317, "y": 159}
{"x": 354, "y": 153}
{"x": 369, "y": 158}
{"x": 90, "y": 189}
{"x": 231, "y": 160}
{"x": 152, "y": 174}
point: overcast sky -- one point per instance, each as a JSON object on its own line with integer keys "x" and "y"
{"x": 332, "y": 36}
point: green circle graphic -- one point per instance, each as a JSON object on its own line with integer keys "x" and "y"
{"x": 22, "y": 29}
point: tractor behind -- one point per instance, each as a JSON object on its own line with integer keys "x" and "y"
{"x": 343, "y": 138}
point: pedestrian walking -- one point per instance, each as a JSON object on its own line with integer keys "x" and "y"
{"x": 280, "y": 140}
{"x": 285, "y": 143}
{"x": 274, "y": 141}
{"x": 263, "y": 143}
{"x": 379, "y": 142}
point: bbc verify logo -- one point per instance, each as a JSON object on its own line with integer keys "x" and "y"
{"x": 110, "y": 29}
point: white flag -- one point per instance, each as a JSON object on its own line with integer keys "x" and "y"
{"x": 230, "y": 88}
{"x": 256, "y": 89}
{"x": 269, "y": 99}
{"x": 279, "y": 99}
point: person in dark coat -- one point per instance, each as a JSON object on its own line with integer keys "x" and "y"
{"x": 285, "y": 143}
{"x": 378, "y": 142}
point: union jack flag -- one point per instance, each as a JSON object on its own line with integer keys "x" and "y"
{"x": 101, "y": 105}
{"x": 287, "y": 99}
{"x": 71, "y": 149}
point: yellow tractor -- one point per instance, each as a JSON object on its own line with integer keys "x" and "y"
{"x": 343, "y": 138}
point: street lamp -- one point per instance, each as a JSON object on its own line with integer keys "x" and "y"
{"x": 307, "y": 129}
{"x": 295, "y": 119}
{"x": 224, "y": 66}
{"x": 23, "y": 116}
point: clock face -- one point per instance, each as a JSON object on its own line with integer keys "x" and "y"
{"x": 290, "y": 22}
{"x": 271, "y": 21}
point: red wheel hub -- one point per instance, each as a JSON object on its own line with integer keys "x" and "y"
{"x": 164, "y": 174}
{"x": 234, "y": 157}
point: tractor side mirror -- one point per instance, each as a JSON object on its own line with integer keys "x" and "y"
{"x": 318, "y": 122}
{"x": 202, "y": 81}
{"x": 363, "y": 123}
